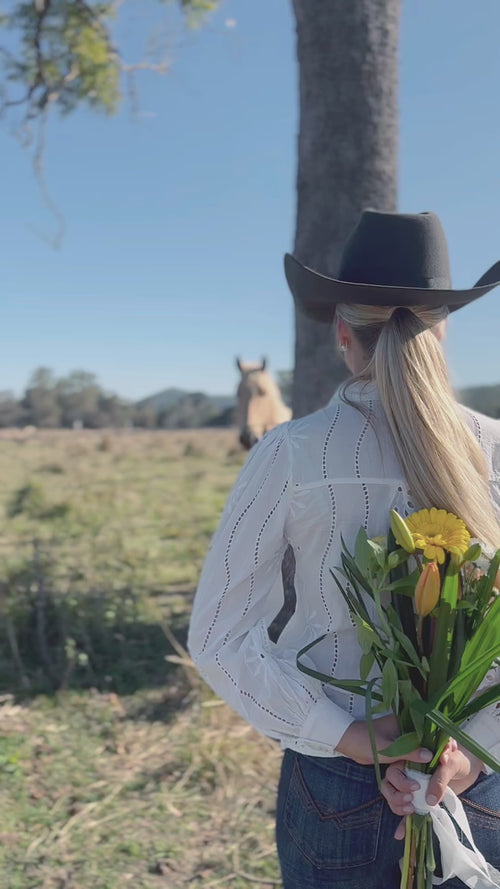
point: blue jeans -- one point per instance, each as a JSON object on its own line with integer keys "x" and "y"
{"x": 335, "y": 831}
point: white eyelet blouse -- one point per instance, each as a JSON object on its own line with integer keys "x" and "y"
{"x": 306, "y": 483}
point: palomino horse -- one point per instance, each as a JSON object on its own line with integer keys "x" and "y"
{"x": 260, "y": 406}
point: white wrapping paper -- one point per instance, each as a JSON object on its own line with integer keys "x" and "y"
{"x": 457, "y": 860}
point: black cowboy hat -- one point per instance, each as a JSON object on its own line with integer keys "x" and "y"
{"x": 391, "y": 259}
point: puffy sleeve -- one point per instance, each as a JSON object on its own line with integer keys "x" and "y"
{"x": 239, "y": 594}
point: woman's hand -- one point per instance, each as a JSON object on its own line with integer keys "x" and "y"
{"x": 457, "y": 769}
{"x": 355, "y": 742}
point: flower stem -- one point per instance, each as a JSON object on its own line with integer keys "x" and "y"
{"x": 413, "y": 852}
{"x": 421, "y": 869}
{"x": 420, "y": 640}
{"x": 405, "y": 870}
{"x": 430, "y": 861}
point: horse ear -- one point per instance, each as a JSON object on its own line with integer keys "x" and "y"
{"x": 264, "y": 362}
{"x": 238, "y": 365}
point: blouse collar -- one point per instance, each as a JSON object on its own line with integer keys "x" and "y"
{"x": 357, "y": 391}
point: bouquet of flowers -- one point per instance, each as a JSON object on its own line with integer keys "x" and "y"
{"x": 428, "y": 624}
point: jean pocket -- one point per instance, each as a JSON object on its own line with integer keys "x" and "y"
{"x": 330, "y": 819}
{"x": 482, "y": 807}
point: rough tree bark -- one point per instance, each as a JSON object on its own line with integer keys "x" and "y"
{"x": 347, "y": 54}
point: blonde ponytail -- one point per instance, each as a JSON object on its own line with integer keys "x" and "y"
{"x": 443, "y": 463}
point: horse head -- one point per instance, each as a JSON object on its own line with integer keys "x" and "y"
{"x": 260, "y": 406}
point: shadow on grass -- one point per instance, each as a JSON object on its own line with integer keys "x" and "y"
{"x": 107, "y": 642}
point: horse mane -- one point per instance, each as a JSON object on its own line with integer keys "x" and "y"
{"x": 262, "y": 380}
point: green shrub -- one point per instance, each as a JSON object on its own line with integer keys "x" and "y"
{"x": 29, "y": 500}
{"x": 52, "y": 639}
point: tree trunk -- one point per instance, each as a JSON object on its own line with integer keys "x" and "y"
{"x": 347, "y": 53}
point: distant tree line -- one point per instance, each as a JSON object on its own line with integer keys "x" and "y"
{"x": 78, "y": 401}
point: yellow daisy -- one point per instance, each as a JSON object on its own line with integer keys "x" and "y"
{"x": 436, "y": 531}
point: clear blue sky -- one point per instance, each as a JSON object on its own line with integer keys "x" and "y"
{"x": 177, "y": 220}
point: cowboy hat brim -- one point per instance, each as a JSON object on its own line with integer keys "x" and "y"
{"x": 317, "y": 295}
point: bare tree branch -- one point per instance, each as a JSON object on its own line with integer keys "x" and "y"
{"x": 56, "y": 240}
{"x": 66, "y": 58}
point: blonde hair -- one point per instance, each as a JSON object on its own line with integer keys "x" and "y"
{"x": 442, "y": 461}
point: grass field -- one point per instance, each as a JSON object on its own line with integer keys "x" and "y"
{"x": 118, "y": 766}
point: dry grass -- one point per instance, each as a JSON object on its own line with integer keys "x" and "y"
{"x": 106, "y": 791}
{"x": 160, "y": 784}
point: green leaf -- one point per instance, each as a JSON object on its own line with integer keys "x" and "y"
{"x": 464, "y": 739}
{"x": 473, "y": 553}
{"x": 390, "y": 691}
{"x": 403, "y": 587}
{"x": 396, "y": 558}
{"x": 369, "y": 722}
{"x": 467, "y": 681}
{"x": 354, "y": 686}
{"x": 357, "y": 581}
{"x": 408, "y": 691}
{"x": 418, "y": 720}
{"x": 195, "y": 10}
{"x": 449, "y": 590}
{"x": 403, "y": 600}
{"x": 353, "y": 601}
{"x": 430, "y": 861}
{"x": 487, "y": 633}
{"x": 379, "y": 708}
{"x": 484, "y": 587}
{"x": 409, "y": 649}
{"x": 348, "y": 599}
{"x": 380, "y": 555}
{"x": 402, "y": 746}
{"x": 440, "y": 657}
{"x": 458, "y": 643}
{"x": 480, "y": 652}
{"x": 367, "y": 638}
{"x": 351, "y": 568}
{"x": 365, "y": 665}
{"x": 362, "y": 551}
{"x": 311, "y": 645}
{"x": 382, "y": 616}
{"x": 483, "y": 700}
{"x": 353, "y": 576}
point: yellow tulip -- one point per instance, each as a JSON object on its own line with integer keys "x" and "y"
{"x": 427, "y": 589}
{"x": 402, "y": 532}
